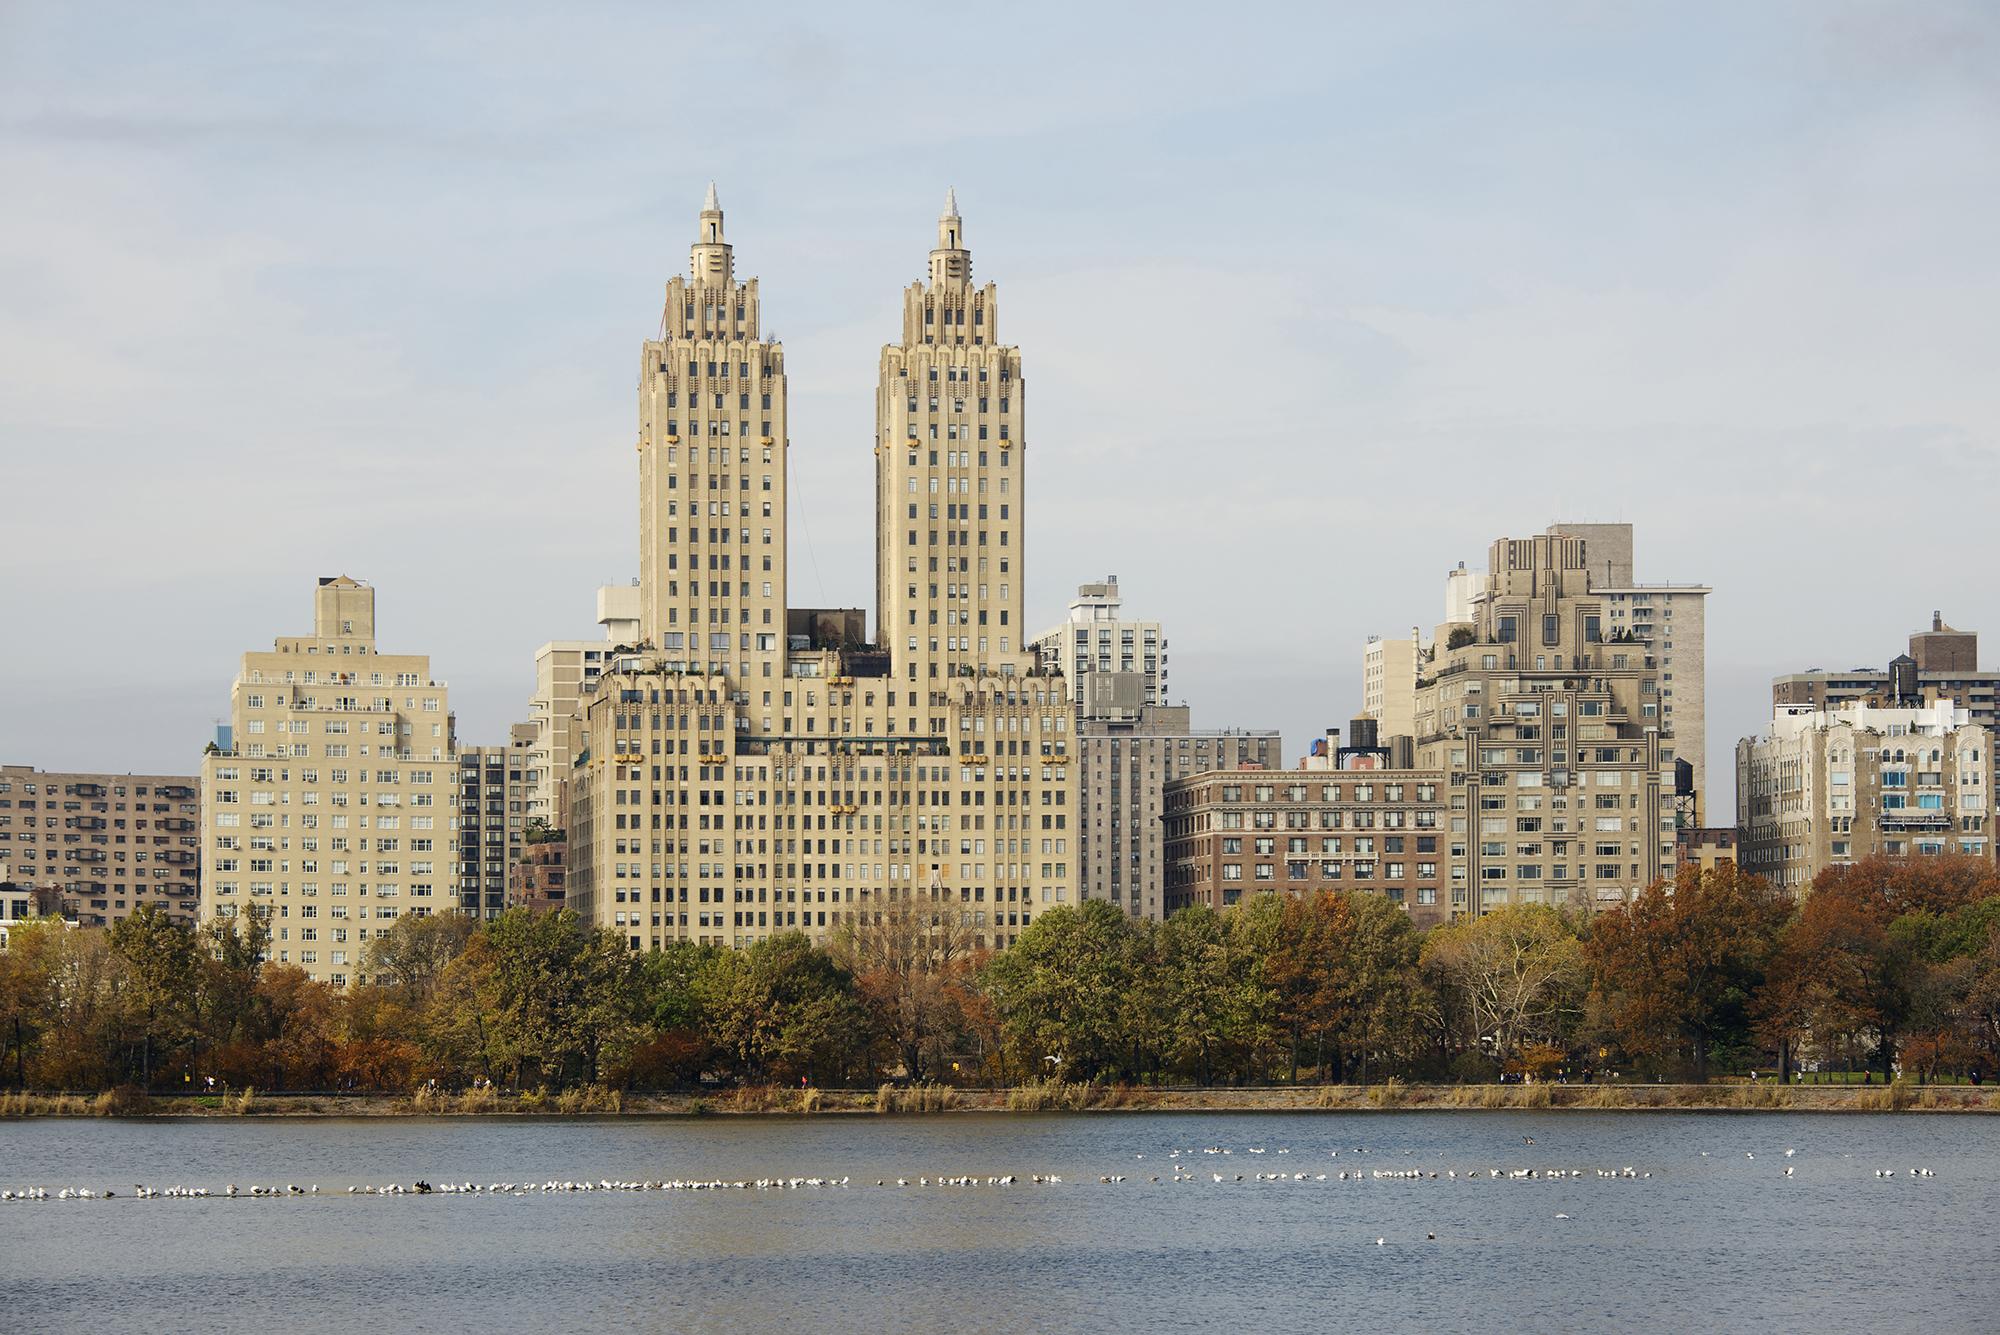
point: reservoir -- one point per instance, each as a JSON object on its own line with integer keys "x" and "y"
{"x": 1707, "y": 1232}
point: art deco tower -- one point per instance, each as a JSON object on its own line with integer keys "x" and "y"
{"x": 948, "y": 477}
{"x": 712, "y": 445}
{"x": 730, "y": 783}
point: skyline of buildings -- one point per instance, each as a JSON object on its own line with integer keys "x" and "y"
{"x": 727, "y": 765}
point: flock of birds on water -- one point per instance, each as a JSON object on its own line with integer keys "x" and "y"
{"x": 1183, "y": 1166}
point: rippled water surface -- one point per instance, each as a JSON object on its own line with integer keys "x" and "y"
{"x": 1724, "y": 1241}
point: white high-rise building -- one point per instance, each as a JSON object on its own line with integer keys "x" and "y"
{"x": 1097, "y": 637}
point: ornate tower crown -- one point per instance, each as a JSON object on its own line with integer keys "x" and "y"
{"x": 951, "y": 260}
{"x": 711, "y": 258}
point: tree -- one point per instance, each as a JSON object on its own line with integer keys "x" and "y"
{"x": 1873, "y": 953}
{"x": 1306, "y": 969}
{"x": 785, "y": 1007}
{"x": 1677, "y": 966}
{"x": 1060, "y": 991}
{"x": 459, "y": 1030}
{"x": 564, "y": 994}
{"x": 915, "y": 962}
{"x": 1887, "y": 888}
{"x": 414, "y": 952}
{"x": 1514, "y": 976}
{"x": 87, "y": 1011}
{"x": 301, "y": 1019}
{"x": 27, "y": 991}
{"x": 162, "y": 956}
{"x": 1383, "y": 987}
{"x": 231, "y": 958}
{"x": 1197, "y": 982}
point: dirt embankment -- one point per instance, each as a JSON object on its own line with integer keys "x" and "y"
{"x": 1052, "y": 1097}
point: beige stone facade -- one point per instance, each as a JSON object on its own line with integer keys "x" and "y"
{"x": 729, "y": 786}
{"x": 328, "y": 811}
{"x": 1548, "y": 719}
{"x": 1389, "y": 684}
{"x": 1245, "y": 832}
{"x": 101, "y": 845}
{"x": 1708, "y": 848}
{"x": 1827, "y": 787}
{"x": 1671, "y": 620}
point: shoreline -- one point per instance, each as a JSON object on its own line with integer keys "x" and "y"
{"x": 935, "y": 1100}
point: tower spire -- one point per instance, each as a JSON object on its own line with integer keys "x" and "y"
{"x": 951, "y": 259}
{"x": 710, "y": 256}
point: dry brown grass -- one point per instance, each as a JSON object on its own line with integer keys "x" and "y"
{"x": 925, "y": 1098}
{"x": 1761, "y": 1094}
{"x": 1601, "y": 1096}
{"x": 1125, "y": 1096}
{"x": 240, "y": 1104}
{"x": 1050, "y": 1096}
{"x": 757, "y": 1098}
{"x": 26, "y": 1104}
{"x": 122, "y": 1101}
{"x": 479, "y": 1099}
{"x": 1391, "y": 1093}
{"x": 590, "y": 1099}
{"x": 1333, "y": 1096}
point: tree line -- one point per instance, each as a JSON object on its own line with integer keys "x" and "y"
{"x": 1886, "y": 965}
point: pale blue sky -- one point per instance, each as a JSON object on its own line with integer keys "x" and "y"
{"x": 1302, "y": 287}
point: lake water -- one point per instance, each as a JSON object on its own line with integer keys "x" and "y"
{"x": 1722, "y": 1242}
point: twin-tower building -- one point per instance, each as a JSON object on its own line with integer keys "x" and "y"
{"x": 727, "y": 766}
{"x": 747, "y": 767}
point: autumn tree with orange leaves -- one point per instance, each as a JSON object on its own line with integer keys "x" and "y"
{"x": 1676, "y": 969}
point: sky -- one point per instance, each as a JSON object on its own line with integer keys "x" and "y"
{"x": 1314, "y": 302}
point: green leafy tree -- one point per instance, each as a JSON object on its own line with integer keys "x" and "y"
{"x": 163, "y": 958}
{"x": 1060, "y": 991}
{"x": 784, "y": 1007}
{"x": 565, "y": 994}
{"x": 459, "y": 1032}
{"x": 1383, "y": 988}
{"x": 1197, "y": 982}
